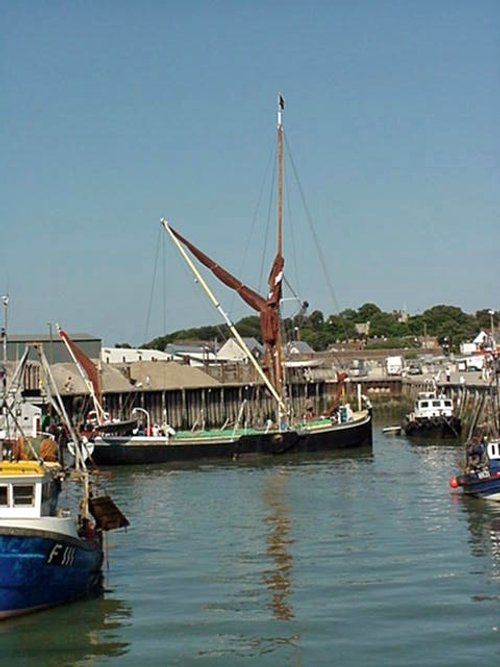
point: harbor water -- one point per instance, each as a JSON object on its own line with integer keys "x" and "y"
{"x": 359, "y": 560}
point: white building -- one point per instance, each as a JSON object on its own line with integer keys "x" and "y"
{"x": 126, "y": 355}
{"x": 232, "y": 351}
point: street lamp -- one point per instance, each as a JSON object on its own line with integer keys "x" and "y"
{"x": 49, "y": 324}
{"x": 5, "y": 302}
{"x": 3, "y": 374}
{"x": 491, "y": 313}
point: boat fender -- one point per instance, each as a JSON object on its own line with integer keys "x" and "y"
{"x": 87, "y": 448}
{"x": 278, "y": 439}
{"x": 453, "y": 482}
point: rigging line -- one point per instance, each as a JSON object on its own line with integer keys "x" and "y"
{"x": 164, "y": 281}
{"x": 263, "y": 279}
{"x": 293, "y": 244}
{"x": 294, "y": 293}
{"x": 311, "y": 227}
{"x": 151, "y": 293}
{"x": 203, "y": 307}
{"x": 251, "y": 230}
{"x": 315, "y": 238}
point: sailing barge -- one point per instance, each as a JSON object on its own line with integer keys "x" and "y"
{"x": 342, "y": 428}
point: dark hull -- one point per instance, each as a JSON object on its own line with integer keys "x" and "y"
{"x": 484, "y": 484}
{"x": 356, "y": 434}
{"x": 42, "y": 569}
{"x": 437, "y": 427}
{"x": 117, "y": 428}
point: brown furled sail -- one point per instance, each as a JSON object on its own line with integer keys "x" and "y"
{"x": 87, "y": 364}
{"x": 252, "y": 298}
{"x": 268, "y": 309}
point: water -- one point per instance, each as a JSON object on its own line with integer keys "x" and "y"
{"x": 360, "y": 560}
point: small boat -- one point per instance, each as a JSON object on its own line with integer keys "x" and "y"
{"x": 344, "y": 427}
{"x": 433, "y": 416}
{"x": 50, "y": 554}
{"x": 481, "y": 476}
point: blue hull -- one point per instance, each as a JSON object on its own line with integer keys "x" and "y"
{"x": 44, "y": 569}
{"x": 485, "y": 486}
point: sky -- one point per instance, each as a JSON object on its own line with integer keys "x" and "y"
{"x": 115, "y": 114}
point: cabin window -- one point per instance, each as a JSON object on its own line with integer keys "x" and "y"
{"x": 4, "y": 496}
{"x": 448, "y": 404}
{"x": 494, "y": 450}
{"x": 436, "y": 404}
{"x": 24, "y": 494}
{"x": 424, "y": 404}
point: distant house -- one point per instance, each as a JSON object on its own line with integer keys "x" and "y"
{"x": 363, "y": 328}
{"x": 232, "y": 351}
{"x": 480, "y": 342}
{"x": 195, "y": 354}
{"x": 298, "y": 347}
{"x": 401, "y": 316}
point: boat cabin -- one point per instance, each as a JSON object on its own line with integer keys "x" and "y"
{"x": 26, "y": 422}
{"x": 429, "y": 405}
{"x": 28, "y": 489}
{"x": 493, "y": 450}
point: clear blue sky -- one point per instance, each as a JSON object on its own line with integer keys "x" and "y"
{"x": 114, "y": 114}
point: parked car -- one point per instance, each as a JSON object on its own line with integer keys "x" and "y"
{"x": 414, "y": 369}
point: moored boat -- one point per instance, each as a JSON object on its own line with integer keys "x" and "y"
{"x": 433, "y": 416}
{"x": 481, "y": 476}
{"x": 46, "y": 558}
{"x": 322, "y": 434}
{"x": 343, "y": 427}
{"x": 49, "y": 554}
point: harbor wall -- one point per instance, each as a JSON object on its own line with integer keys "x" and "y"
{"x": 240, "y": 398}
{"x": 252, "y": 403}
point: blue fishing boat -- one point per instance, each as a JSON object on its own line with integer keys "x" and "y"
{"x": 49, "y": 553}
{"x": 46, "y": 558}
{"x": 481, "y": 476}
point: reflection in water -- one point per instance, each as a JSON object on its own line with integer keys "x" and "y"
{"x": 278, "y": 580}
{"x": 484, "y": 524}
{"x": 73, "y": 634}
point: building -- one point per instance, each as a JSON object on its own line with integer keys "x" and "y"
{"x": 232, "y": 351}
{"x": 195, "y": 354}
{"x": 127, "y": 355}
{"x": 295, "y": 347}
{"x": 53, "y": 346}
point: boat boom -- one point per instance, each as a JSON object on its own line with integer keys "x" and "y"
{"x": 226, "y": 318}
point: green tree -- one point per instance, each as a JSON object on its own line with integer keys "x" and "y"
{"x": 249, "y": 327}
{"x": 340, "y": 328}
{"x": 367, "y": 311}
{"x": 349, "y": 315}
{"x": 385, "y": 324}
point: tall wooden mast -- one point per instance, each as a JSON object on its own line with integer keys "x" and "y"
{"x": 279, "y": 241}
